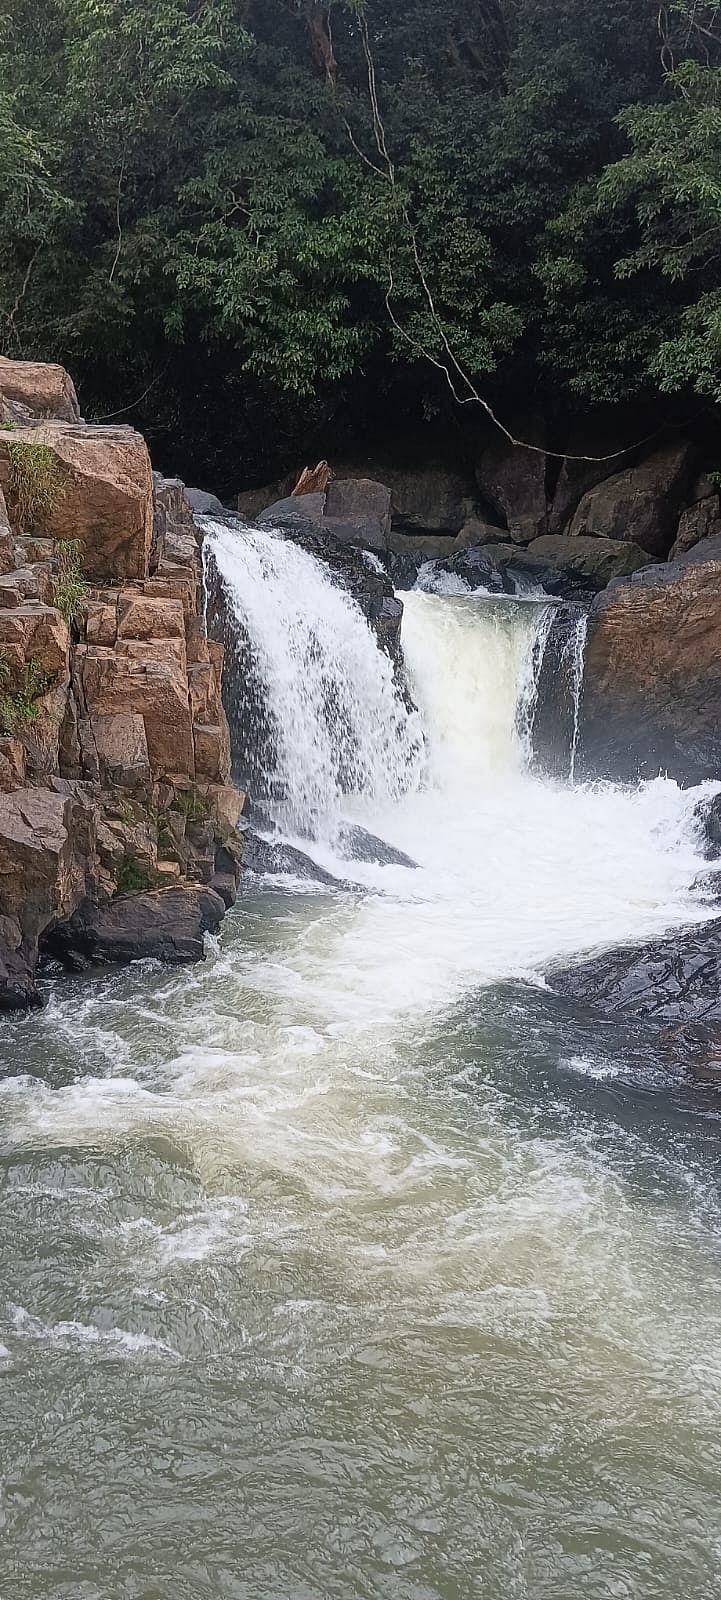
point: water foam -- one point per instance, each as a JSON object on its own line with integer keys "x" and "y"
{"x": 340, "y": 727}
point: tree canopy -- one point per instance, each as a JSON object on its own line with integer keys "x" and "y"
{"x": 236, "y": 220}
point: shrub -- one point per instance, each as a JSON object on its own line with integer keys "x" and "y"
{"x": 20, "y": 707}
{"x": 133, "y": 878}
{"x": 70, "y": 586}
{"x": 35, "y": 485}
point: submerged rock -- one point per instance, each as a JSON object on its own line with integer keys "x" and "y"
{"x": 276, "y": 858}
{"x": 671, "y": 987}
{"x": 359, "y": 845}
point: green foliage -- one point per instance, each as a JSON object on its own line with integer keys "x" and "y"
{"x": 19, "y": 707}
{"x": 133, "y": 878}
{"x": 197, "y": 214}
{"x": 191, "y": 805}
{"x": 69, "y": 585}
{"x": 35, "y": 484}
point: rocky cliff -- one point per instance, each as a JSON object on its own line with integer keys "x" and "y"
{"x": 117, "y": 814}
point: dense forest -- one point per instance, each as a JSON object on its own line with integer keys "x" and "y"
{"x": 250, "y": 226}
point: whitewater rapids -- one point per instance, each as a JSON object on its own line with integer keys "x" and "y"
{"x": 342, "y": 1265}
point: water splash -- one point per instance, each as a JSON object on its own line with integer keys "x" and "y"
{"x": 575, "y": 653}
{"x": 339, "y": 726}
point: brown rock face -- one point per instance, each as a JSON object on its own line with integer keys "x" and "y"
{"x": 104, "y": 498}
{"x": 47, "y": 842}
{"x": 641, "y": 503}
{"x": 45, "y": 389}
{"x": 652, "y": 683}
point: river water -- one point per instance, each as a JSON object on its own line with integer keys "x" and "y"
{"x": 350, "y": 1264}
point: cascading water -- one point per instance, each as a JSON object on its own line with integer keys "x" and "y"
{"x": 575, "y": 655}
{"x": 340, "y": 727}
{"x": 335, "y": 1266}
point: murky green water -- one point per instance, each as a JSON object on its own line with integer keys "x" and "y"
{"x": 301, "y": 1302}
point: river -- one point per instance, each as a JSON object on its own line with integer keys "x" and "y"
{"x": 350, "y": 1265}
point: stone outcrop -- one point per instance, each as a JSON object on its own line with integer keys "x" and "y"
{"x": 39, "y": 389}
{"x": 669, "y": 991}
{"x": 652, "y": 682}
{"x": 101, "y": 493}
{"x": 166, "y": 925}
{"x": 48, "y": 862}
{"x": 642, "y": 503}
{"x": 358, "y": 511}
{"x": 118, "y": 820}
{"x": 513, "y": 480}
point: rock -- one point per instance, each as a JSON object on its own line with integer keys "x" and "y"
{"x": 47, "y": 860}
{"x": 250, "y": 503}
{"x": 13, "y": 762}
{"x": 34, "y": 633}
{"x": 671, "y": 987}
{"x": 121, "y": 748}
{"x": 699, "y": 521}
{"x": 212, "y": 752}
{"x": 513, "y": 480}
{"x": 476, "y": 568}
{"x": 172, "y": 517}
{"x": 204, "y": 504}
{"x": 357, "y": 844}
{"x": 652, "y": 681}
{"x": 708, "y": 816}
{"x": 640, "y": 504}
{"x": 103, "y": 494}
{"x": 110, "y": 685}
{"x": 164, "y": 924}
{"x": 296, "y": 515}
{"x": 595, "y": 561}
{"x": 477, "y": 532}
{"x": 267, "y": 856}
{"x": 45, "y": 389}
{"x": 143, "y": 616}
{"x": 358, "y": 511}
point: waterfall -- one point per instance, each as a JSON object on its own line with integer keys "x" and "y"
{"x": 339, "y": 727}
{"x": 575, "y": 656}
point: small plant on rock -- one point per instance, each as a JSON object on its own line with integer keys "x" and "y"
{"x": 35, "y": 485}
{"x": 19, "y": 707}
{"x": 133, "y": 878}
{"x": 70, "y": 586}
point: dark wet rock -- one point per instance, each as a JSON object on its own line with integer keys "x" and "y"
{"x": 671, "y": 988}
{"x": 275, "y": 857}
{"x": 359, "y": 845}
{"x": 708, "y": 814}
{"x": 358, "y": 511}
{"x": 558, "y": 693}
{"x": 166, "y": 924}
{"x": 476, "y": 568}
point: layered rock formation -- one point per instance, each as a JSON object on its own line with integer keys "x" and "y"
{"x": 117, "y": 815}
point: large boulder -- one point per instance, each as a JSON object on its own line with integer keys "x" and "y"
{"x": 358, "y": 511}
{"x": 641, "y": 503}
{"x": 652, "y": 682}
{"x": 44, "y": 389}
{"x": 165, "y": 924}
{"x": 594, "y": 560}
{"x": 512, "y": 479}
{"x": 702, "y": 520}
{"x": 100, "y": 492}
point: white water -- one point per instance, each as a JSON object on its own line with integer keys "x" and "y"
{"x": 340, "y": 726}
{"x": 320, "y": 1279}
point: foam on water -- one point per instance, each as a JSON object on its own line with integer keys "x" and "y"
{"x": 341, "y": 1273}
